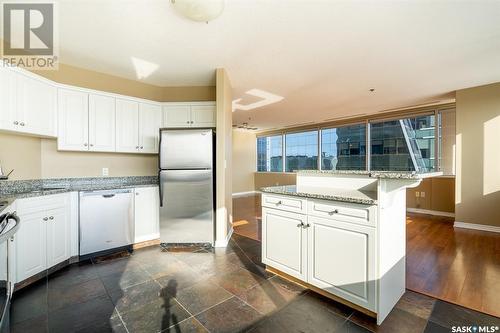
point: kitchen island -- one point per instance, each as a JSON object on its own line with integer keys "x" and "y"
{"x": 341, "y": 234}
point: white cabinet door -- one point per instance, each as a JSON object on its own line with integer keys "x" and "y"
{"x": 284, "y": 242}
{"x": 149, "y": 126}
{"x": 341, "y": 259}
{"x": 177, "y": 116}
{"x": 203, "y": 116}
{"x": 101, "y": 123}
{"x": 36, "y": 106}
{"x": 147, "y": 209}
{"x": 58, "y": 236}
{"x": 127, "y": 126}
{"x": 8, "y": 110}
{"x": 73, "y": 124}
{"x": 31, "y": 245}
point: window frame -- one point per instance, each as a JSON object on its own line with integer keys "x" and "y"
{"x": 368, "y": 121}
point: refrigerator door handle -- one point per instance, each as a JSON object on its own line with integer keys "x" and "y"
{"x": 160, "y": 192}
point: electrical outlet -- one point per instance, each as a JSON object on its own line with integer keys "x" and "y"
{"x": 422, "y": 194}
{"x": 105, "y": 172}
{"x": 417, "y": 194}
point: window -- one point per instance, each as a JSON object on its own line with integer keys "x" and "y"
{"x": 270, "y": 153}
{"x": 343, "y": 148}
{"x": 403, "y": 145}
{"x": 301, "y": 150}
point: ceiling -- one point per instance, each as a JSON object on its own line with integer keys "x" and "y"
{"x": 322, "y": 57}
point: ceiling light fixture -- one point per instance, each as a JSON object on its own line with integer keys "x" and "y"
{"x": 199, "y": 10}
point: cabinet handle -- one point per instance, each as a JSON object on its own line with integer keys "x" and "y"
{"x": 91, "y": 145}
{"x": 12, "y": 239}
{"x": 21, "y": 123}
{"x": 187, "y": 122}
{"x": 136, "y": 147}
{"x": 278, "y": 203}
{"x": 333, "y": 212}
{"x": 51, "y": 218}
{"x": 85, "y": 144}
{"x": 306, "y": 226}
{"x": 142, "y": 147}
{"x": 45, "y": 219}
{"x": 301, "y": 224}
{"x": 16, "y": 123}
{"x": 192, "y": 122}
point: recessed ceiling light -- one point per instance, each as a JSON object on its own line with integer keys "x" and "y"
{"x": 371, "y": 89}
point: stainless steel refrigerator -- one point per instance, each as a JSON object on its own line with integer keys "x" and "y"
{"x": 186, "y": 181}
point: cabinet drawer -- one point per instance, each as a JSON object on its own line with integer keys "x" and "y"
{"x": 42, "y": 203}
{"x": 286, "y": 203}
{"x": 349, "y": 212}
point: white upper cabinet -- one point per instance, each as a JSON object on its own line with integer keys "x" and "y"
{"x": 73, "y": 123}
{"x": 177, "y": 116}
{"x": 127, "y": 126}
{"x": 102, "y": 114}
{"x": 149, "y": 126}
{"x": 8, "y": 100}
{"x": 36, "y": 106}
{"x": 203, "y": 115}
{"x": 28, "y": 105}
{"x": 195, "y": 114}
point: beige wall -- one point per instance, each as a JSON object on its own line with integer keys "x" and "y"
{"x": 478, "y": 155}
{"x": 244, "y": 161}
{"x": 439, "y": 195}
{"x": 21, "y": 153}
{"x": 264, "y": 179}
{"x": 224, "y": 202}
{"x": 85, "y": 78}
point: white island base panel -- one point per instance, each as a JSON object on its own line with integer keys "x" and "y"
{"x": 351, "y": 248}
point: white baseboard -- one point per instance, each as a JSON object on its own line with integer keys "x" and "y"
{"x": 224, "y": 242}
{"x": 482, "y": 227}
{"x": 429, "y": 212}
{"x": 244, "y": 194}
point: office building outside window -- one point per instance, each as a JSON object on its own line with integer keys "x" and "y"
{"x": 344, "y": 148}
{"x": 270, "y": 153}
{"x": 301, "y": 151}
{"x": 403, "y": 145}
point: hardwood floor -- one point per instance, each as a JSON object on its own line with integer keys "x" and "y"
{"x": 456, "y": 265}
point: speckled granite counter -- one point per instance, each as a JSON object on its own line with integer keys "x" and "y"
{"x": 17, "y": 189}
{"x": 343, "y": 195}
{"x": 375, "y": 174}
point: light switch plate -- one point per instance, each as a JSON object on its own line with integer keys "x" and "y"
{"x": 417, "y": 194}
{"x": 422, "y": 194}
{"x": 105, "y": 172}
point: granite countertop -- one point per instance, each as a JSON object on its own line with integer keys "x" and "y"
{"x": 334, "y": 194}
{"x": 375, "y": 174}
{"x": 11, "y": 190}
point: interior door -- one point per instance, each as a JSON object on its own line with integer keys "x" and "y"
{"x": 341, "y": 260}
{"x": 149, "y": 126}
{"x": 203, "y": 116}
{"x": 73, "y": 114}
{"x": 31, "y": 245}
{"x": 36, "y": 106}
{"x": 58, "y": 236}
{"x": 284, "y": 241}
{"x": 102, "y": 114}
{"x": 177, "y": 116}
{"x": 127, "y": 126}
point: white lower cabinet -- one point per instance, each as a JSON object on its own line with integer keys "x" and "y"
{"x": 147, "y": 210}
{"x": 333, "y": 254}
{"x": 43, "y": 239}
{"x": 341, "y": 260}
{"x": 284, "y": 241}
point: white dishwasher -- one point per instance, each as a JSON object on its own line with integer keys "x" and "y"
{"x": 106, "y": 221}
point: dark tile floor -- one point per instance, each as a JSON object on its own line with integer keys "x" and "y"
{"x": 221, "y": 290}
